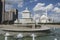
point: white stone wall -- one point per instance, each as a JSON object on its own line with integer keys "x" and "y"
{"x": 25, "y": 15}
{"x": 25, "y": 20}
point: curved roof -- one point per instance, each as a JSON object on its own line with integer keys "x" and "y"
{"x": 26, "y": 10}
{"x": 44, "y": 17}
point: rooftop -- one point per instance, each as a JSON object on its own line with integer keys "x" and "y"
{"x": 26, "y": 10}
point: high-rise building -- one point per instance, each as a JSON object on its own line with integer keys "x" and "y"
{"x": 15, "y": 13}
{"x": 12, "y": 15}
{"x": 2, "y": 7}
{"x": 0, "y": 11}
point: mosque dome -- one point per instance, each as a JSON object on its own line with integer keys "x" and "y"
{"x": 44, "y": 17}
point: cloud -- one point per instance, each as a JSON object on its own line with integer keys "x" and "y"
{"x": 58, "y": 4}
{"x": 56, "y": 9}
{"x": 7, "y": 7}
{"x": 36, "y": 17}
{"x": 55, "y": 16}
{"x": 19, "y": 2}
{"x": 13, "y": 1}
{"x": 41, "y": 9}
{"x": 35, "y": 0}
{"x": 39, "y": 6}
{"x": 49, "y": 7}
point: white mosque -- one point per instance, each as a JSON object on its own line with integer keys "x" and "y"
{"x": 26, "y": 18}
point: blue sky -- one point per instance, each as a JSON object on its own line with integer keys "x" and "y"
{"x": 37, "y": 7}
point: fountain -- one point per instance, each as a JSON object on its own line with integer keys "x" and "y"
{"x": 33, "y": 36}
{"x": 55, "y": 39}
{"x": 19, "y": 36}
{"x": 6, "y": 36}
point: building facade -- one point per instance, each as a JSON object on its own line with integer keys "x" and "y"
{"x": 11, "y": 16}
{"x": 0, "y": 11}
{"x": 3, "y": 11}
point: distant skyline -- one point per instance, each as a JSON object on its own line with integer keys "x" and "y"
{"x": 36, "y": 7}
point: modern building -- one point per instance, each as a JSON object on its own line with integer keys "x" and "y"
{"x": 11, "y": 16}
{"x": 6, "y": 15}
{"x": 2, "y": 9}
{"x": 15, "y": 14}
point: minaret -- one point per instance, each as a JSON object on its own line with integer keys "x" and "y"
{"x": 46, "y": 13}
{"x": 46, "y": 16}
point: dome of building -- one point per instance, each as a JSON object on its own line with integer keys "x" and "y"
{"x": 44, "y": 17}
{"x": 26, "y": 10}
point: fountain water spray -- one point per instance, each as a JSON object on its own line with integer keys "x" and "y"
{"x": 6, "y": 36}
{"x": 19, "y": 36}
{"x": 55, "y": 39}
{"x": 33, "y": 36}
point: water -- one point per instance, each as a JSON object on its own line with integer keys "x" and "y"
{"x": 54, "y": 35}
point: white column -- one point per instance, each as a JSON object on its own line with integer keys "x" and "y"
{"x": 33, "y": 36}
{"x": 19, "y": 36}
{"x": 6, "y": 36}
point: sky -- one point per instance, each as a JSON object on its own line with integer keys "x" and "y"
{"x": 36, "y": 7}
